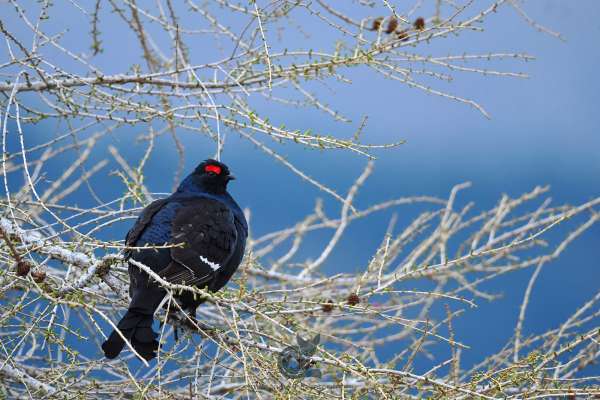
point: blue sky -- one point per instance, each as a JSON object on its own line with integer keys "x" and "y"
{"x": 543, "y": 130}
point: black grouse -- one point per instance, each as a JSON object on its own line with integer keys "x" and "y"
{"x": 204, "y": 217}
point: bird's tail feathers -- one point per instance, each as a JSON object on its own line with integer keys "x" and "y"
{"x": 137, "y": 328}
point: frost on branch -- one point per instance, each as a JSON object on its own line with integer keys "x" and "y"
{"x": 201, "y": 71}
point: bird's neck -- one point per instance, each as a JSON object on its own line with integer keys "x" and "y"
{"x": 191, "y": 186}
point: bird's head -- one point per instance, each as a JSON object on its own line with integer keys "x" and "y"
{"x": 212, "y": 176}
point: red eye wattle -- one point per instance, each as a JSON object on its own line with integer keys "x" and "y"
{"x": 213, "y": 168}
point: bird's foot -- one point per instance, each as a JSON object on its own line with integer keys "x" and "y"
{"x": 196, "y": 325}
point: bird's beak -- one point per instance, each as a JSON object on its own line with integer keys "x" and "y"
{"x": 231, "y": 178}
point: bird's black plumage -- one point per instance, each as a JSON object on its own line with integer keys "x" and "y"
{"x": 203, "y": 217}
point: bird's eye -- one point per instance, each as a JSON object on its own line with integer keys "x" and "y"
{"x": 215, "y": 169}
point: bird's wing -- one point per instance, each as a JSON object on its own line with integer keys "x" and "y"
{"x": 207, "y": 230}
{"x": 142, "y": 222}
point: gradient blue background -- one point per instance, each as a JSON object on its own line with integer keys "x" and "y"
{"x": 544, "y": 130}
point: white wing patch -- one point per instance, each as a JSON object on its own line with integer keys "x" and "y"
{"x": 213, "y": 265}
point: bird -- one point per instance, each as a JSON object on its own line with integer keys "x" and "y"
{"x": 207, "y": 230}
